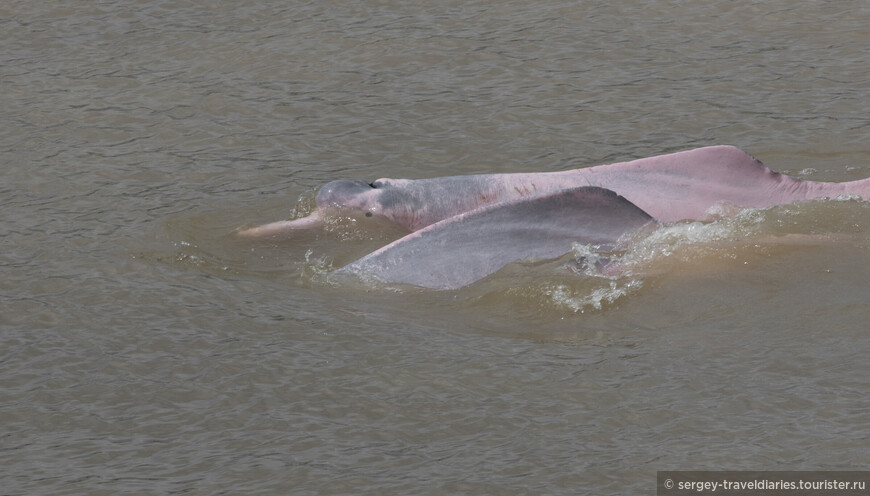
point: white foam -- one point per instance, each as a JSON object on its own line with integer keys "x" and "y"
{"x": 579, "y": 301}
{"x": 604, "y": 278}
{"x": 315, "y": 268}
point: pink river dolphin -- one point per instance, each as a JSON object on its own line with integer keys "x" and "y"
{"x": 463, "y": 228}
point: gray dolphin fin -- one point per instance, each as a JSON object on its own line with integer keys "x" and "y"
{"x": 462, "y": 249}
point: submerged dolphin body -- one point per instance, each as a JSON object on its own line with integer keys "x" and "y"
{"x": 501, "y": 218}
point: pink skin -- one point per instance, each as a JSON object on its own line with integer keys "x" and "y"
{"x": 687, "y": 185}
{"x": 282, "y": 227}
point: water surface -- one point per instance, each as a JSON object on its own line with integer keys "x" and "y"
{"x": 146, "y": 351}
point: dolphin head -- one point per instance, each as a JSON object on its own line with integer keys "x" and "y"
{"x": 402, "y": 201}
{"x": 356, "y": 195}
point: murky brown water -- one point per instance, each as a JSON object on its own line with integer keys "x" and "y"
{"x": 146, "y": 351}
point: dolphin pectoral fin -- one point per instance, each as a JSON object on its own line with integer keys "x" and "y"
{"x": 282, "y": 228}
{"x": 462, "y": 249}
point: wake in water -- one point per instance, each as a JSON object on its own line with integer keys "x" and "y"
{"x": 585, "y": 280}
{"x": 599, "y": 280}
{"x": 606, "y": 278}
